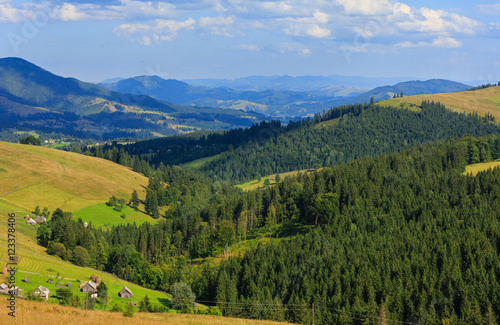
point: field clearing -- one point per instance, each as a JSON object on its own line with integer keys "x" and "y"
{"x": 255, "y": 184}
{"x": 198, "y": 162}
{"x": 481, "y": 101}
{"x": 102, "y": 215}
{"x": 327, "y": 124}
{"x": 476, "y": 168}
{"x": 33, "y": 175}
{"x": 31, "y": 312}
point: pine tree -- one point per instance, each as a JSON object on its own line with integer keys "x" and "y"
{"x": 134, "y": 200}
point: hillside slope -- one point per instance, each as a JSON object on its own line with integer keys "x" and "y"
{"x": 31, "y": 176}
{"x": 483, "y": 101}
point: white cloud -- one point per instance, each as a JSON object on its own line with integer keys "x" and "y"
{"x": 293, "y": 47}
{"x": 366, "y": 7}
{"x": 441, "y": 42}
{"x": 427, "y": 20}
{"x": 491, "y": 9}
{"x": 306, "y": 26}
{"x": 9, "y": 13}
{"x": 318, "y": 32}
{"x": 159, "y": 30}
{"x": 219, "y": 25}
{"x": 249, "y": 47}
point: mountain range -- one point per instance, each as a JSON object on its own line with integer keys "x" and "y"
{"x": 32, "y": 98}
{"x": 280, "y": 96}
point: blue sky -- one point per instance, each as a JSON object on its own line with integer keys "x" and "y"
{"x": 95, "y": 40}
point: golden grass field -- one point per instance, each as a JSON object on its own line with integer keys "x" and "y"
{"x": 476, "y": 168}
{"x": 255, "y": 184}
{"x": 39, "y": 313}
{"x": 33, "y": 175}
{"x": 482, "y": 101}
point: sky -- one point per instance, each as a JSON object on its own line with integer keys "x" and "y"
{"x": 187, "y": 39}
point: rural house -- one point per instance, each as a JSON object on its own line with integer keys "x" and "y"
{"x": 42, "y": 292}
{"x": 3, "y": 288}
{"x": 125, "y": 293}
{"x": 89, "y": 287}
{"x": 31, "y": 221}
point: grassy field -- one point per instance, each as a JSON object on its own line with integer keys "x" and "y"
{"x": 481, "y": 101}
{"x": 255, "y": 184}
{"x": 29, "y": 312}
{"x": 40, "y": 267}
{"x": 33, "y": 175}
{"x": 476, "y": 168}
{"x": 198, "y": 162}
{"x": 102, "y": 215}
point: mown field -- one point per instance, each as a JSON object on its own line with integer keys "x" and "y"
{"x": 481, "y": 101}
{"x": 198, "y": 162}
{"x": 102, "y": 215}
{"x": 32, "y": 175}
{"x": 476, "y": 168}
{"x": 256, "y": 184}
{"x": 29, "y": 312}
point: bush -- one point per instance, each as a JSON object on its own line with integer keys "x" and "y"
{"x": 65, "y": 294}
{"x": 182, "y": 297}
{"x": 129, "y": 310}
{"x": 117, "y": 308}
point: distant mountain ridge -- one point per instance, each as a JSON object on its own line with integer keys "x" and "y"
{"x": 280, "y": 96}
{"x": 299, "y": 83}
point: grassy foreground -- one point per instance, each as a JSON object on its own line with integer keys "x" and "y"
{"x": 29, "y": 312}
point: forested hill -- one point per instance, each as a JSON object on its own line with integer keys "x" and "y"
{"x": 338, "y": 135}
{"x": 404, "y": 235}
{"x": 362, "y": 132}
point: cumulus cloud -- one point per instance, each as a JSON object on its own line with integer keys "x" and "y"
{"x": 442, "y": 42}
{"x": 157, "y": 31}
{"x": 378, "y": 21}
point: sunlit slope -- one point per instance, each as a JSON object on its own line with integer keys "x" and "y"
{"x": 31, "y": 176}
{"x": 481, "y": 101}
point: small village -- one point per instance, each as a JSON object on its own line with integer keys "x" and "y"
{"x": 90, "y": 287}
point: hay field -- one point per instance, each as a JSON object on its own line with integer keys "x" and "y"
{"x": 32, "y": 175}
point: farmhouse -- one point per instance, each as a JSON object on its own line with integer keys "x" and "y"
{"x": 3, "y": 288}
{"x": 31, "y": 221}
{"x": 89, "y": 287}
{"x": 42, "y": 292}
{"x": 125, "y": 293}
